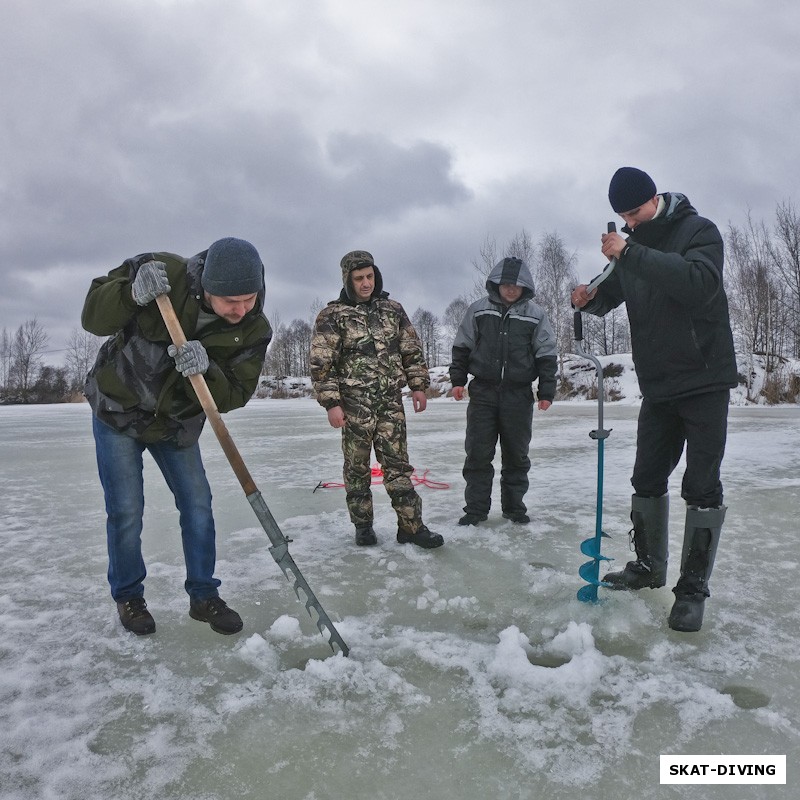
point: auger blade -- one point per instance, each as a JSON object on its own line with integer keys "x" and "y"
{"x": 280, "y": 552}
{"x": 588, "y": 593}
{"x": 588, "y": 571}
{"x": 589, "y": 547}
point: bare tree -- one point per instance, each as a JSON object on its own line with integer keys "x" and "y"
{"x": 483, "y": 265}
{"x": 786, "y": 256}
{"x": 276, "y": 324}
{"x": 555, "y": 276}
{"x": 279, "y": 361}
{"x": 453, "y": 315}
{"x": 427, "y": 327}
{"x": 5, "y": 360}
{"x": 299, "y": 336}
{"x": 753, "y": 292}
{"x": 289, "y": 352}
{"x": 316, "y": 306}
{"x": 27, "y": 347}
{"x": 521, "y": 247}
{"x": 81, "y": 353}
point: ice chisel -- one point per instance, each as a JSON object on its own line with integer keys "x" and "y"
{"x": 280, "y": 544}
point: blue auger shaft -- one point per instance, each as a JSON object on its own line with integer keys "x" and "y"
{"x": 598, "y": 530}
{"x": 590, "y": 571}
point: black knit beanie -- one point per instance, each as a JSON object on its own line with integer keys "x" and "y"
{"x": 232, "y": 268}
{"x": 629, "y": 189}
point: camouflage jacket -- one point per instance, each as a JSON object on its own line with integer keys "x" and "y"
{"x": 133, "y": 386}
{"x": 365, "y": 347}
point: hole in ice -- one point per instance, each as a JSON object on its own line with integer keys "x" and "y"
{"x": 549, "y": 660}
{"x": 746, "y": 696}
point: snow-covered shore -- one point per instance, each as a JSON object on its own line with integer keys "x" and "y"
{"x": 757, "y": 386}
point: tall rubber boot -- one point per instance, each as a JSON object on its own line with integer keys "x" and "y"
{"x": 650, "y": 535}
{"x": 700, "y": 540}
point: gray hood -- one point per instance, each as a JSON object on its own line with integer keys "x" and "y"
{"x": 510, "y": 270}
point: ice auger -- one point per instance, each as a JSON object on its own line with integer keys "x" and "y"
{"x": 590, "y": 571}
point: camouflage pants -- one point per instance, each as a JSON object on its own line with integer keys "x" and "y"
{"x": 379, "y": 422}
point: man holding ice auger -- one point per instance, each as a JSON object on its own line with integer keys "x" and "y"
{"x": 141, "y": 402}
{"x": 669, "y": 275}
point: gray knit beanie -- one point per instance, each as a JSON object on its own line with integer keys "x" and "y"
{"x": 232, "y": 268}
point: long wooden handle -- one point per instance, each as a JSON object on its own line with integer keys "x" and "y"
{"x": 207, "y": 401}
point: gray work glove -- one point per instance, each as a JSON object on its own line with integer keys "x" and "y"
{"x": 190, "y": 358}
{"x": 151, "y": 280}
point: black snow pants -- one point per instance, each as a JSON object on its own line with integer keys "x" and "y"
{"x": 505, "y": 412}
{"x": 699, "y": 422}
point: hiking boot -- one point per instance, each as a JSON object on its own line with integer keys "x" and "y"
{"x": 135, "y": 617}
{"x": 519, "y": 517}
{"x": 216, "y": 613}
{"x": 422, "y": 538}
{"x": 472, "y": 519}
{"x": 365, "y": 536}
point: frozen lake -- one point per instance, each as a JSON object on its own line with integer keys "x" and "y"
{"x": 474, "y": 671}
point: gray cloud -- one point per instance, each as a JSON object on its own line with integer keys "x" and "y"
{"x": 413, "y": 130}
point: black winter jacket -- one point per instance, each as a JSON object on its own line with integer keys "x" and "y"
{"x": 670, "y": 278}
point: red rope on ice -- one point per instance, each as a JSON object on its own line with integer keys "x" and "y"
{"x": 377, "y": 478}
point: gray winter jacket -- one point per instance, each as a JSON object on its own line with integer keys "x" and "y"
{"x": 501, "y": 344}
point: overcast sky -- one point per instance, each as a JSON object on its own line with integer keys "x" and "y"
{"x": 413, "y": 130}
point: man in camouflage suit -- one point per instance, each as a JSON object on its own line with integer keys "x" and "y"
{"x": 363, "y": 352}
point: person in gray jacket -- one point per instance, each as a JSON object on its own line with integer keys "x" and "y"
{"x": 505, "y": 342}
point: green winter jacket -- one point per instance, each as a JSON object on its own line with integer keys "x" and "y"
{"x": 134, "y": 386}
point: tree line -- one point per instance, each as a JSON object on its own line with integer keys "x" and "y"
{"x": 762, "y": 280}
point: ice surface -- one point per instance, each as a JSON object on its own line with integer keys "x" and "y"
{"x": 474, "y": 671}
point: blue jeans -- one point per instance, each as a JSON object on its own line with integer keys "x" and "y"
{"x": 119, "y": 463}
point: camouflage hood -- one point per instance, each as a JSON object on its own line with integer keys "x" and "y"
{"x": 359, "y": 259}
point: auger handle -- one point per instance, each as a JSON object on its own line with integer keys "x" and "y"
{"x": 577, "y": 325}
{"x": 611, "y": 228}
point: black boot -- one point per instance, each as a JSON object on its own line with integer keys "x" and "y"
{"x": 472, "y": 519}
{"x": 422, "y": 538}
{"x": 365, "y": 535}
{"x": 700, "y": 540}
{"x": 650, "y": 536}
